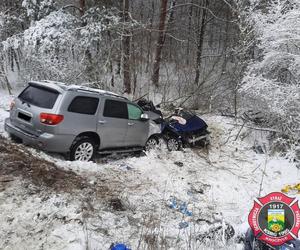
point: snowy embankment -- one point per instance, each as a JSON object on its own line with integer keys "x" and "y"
{"x": 5, "y": 101}
{"x": 162, "y": 200}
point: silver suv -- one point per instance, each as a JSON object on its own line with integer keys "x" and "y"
{"x": 78, "y": 120}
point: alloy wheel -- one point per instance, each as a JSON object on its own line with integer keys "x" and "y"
{"x": 84, "y": 152}
{"x": 173, "y": 144}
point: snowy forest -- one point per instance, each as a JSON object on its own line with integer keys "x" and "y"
{"x": 234, "y": 63}
{"x": 223, "y": 56}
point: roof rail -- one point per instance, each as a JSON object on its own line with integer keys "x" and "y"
{"x": 96, "y": 91}
{"x": 116, "y": 95}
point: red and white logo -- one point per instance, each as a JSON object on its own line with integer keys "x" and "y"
{"x": 275, "y": 219}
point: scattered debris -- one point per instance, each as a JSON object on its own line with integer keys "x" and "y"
{"x": 258, "y": 149}
{"x": 198, "y": 188}
{"x": 178, "y": 163}
{"x": 116, "y": 204}
{"x": 125, "y": 166}
{"x": 256, "y": 117}
{"x": 291, "y": 189}
{"x": 218, "y": 231}
{"x": 180, "y": 206}
{"x": 183, "y": 225}
{"x": 119, "y": 246}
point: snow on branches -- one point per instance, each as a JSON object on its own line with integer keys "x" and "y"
{"x": 61, "y": 45}
{"x": 57, "y": 30}
{"x": 273, "y": 77}
{"x": 37, "y": 9}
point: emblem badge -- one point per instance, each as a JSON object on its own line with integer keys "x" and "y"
{"x": 275, "y": 218}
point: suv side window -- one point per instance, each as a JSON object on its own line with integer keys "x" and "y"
{"x": 115, "y": 109}
{"x": 134, "y": 113}
{"x": 84, "y": 105}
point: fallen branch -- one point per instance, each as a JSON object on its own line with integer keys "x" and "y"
{"x": 256, "y": 128}
{"x": 237, "y": 136}
{"x": 139, "y": 98}
{"x": 6, "y": 179}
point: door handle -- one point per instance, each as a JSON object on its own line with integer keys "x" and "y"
{"x": 102, "y": 122}
{"x": 130, "y": 123}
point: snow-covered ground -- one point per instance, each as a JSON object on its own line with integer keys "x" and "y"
{"x": 217, "y": 185}
{"x": 5, "y": 101}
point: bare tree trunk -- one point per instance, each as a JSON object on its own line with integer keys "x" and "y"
{"x": 88, "y": 54}
{"x": 201, "y": 33}
{"x": 134, "y": 67}
{"x": 111, "y": 70}
{"x": 160, "y": 42}
{"x": 82, "y": 7}
{"x": 11, "y": 57}
{"x": 9, "y": 88}
{"x": 111, "y": 65}
{"x": 2, "y": 72}
{"x": 126, "y": 49}
{"x": 189, "y": 33}
{"x": 170, "y": 20}
{"x": 149, "y": 42}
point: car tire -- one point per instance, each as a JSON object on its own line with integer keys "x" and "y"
{"x": 151, "y": 143}
{"x": 173, "y": 144}
{"x": 83, "y": 149}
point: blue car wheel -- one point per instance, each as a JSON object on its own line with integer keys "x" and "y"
{"x": 173, "y": 144}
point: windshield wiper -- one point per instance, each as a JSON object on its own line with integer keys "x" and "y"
{"x": 28, "y": 105}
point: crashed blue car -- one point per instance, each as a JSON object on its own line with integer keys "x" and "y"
{"x": 184, "y": 128}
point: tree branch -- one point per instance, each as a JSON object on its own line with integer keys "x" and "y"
{"x": 201, "y": 7}
{"x": 71, "y": 6}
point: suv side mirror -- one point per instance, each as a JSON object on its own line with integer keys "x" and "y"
{"x": 144, "y": 117}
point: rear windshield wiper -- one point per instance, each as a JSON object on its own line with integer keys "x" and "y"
{"x": 28, "y": 105}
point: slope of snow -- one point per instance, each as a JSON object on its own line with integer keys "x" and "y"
{"x": 218, "y": 185}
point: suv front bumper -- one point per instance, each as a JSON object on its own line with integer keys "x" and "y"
{"x": 45, "y": 141}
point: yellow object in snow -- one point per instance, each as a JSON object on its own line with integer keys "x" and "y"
{"x": 291, "y": 188}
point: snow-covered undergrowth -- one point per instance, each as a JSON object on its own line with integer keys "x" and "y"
{"x": 162, "y": 200}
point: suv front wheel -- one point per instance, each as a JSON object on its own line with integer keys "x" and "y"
{"x": 83, "y": 149}
{"x": 151, "y": 143}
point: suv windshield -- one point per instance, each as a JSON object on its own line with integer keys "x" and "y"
{"x": 39, "y": 96}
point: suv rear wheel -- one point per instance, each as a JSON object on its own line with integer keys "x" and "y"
{"x": 83, "y": 149}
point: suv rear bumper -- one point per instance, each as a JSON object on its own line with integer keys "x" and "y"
{"x": 45, "y": 141}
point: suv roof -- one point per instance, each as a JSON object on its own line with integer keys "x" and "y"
{"x": 61, "y": 87}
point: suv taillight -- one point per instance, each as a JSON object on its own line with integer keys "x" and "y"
{"x": 50, "y": 119}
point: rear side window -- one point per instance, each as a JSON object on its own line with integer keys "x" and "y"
{"x": 84, "y": 105}
{"x": 134, "y": 113}
{"x": 39, "y": 96}
{"x": 115, "y": 109}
